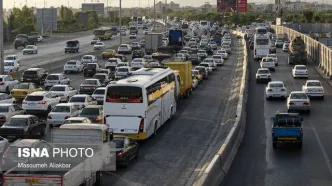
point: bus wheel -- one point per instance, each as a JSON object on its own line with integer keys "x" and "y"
{"x": 155, "y": 129}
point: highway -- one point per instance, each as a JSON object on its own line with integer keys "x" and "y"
{"x": 257, "y": 163}
{"x": 185, "y": 143}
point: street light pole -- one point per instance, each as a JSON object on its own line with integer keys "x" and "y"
{"x": 120, "y": 21}
{"x": 1, "y": 38}
{"x": 154, "y": 14}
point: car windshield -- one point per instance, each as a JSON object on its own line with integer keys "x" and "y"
{"x": 91, "y": 66}
{"x": 72, "y": 121}
{"x": 123, "y": 46}
{"x": 100, "y": 77}
{"x": 298, "y": 96}
{"x": 4, "y": 109}
{"x": 301, "y": 68}
{"x": 204, "y": 65}
{"x": 314, "y": 84}
{"x": 90, "y": 111}
{"x": 118, "y": 143}
{"x": 17, "y": 122}
{"x": 77, "y": 99}
{"x": 122, "y": 70}
{"x": 109, "y": 50}
{"x": 61, "y": 109}
{"x": 10, "y": 58}
{"x": 263, "y": 72}
{"x": 87, "y": 57}
{"x": 29, "y": 47}
{"x": 34, "y": 98}
{"x": 71, "y": 63}
{"x": 95, "y": 39}
{"x": 89, "y": 82}
{"x": 99, "y": 44}
{"x": 276, "y": 85}
{"x": 202, "y": 51}
{"x": 22, "y": 86}
{"x": 99, "y": 91}
{"x": 9, "y": 64}
{"x": 60, "y": 89}
{"x": 267, "y": 60}
{"x": 216, "y": 57}
{"x": 52, "y": 77}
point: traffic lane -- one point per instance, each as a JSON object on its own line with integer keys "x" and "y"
{"x": 9, "y": 49}
{"x": 170, "y": 157}
{"x": 283, "y": 166}
{"x": 87, "y": 48}
{"x": 312, "y": 162}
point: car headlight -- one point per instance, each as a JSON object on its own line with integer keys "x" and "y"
{"x": 26, "y": 130}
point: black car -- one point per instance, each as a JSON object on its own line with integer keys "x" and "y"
{"x": 138, "y": 54}
{"x": 88, "y": 86}
{"x": 127, "y": 150}
{"x": 23, "y": 126}
{"x": 34, "y": 75}
{"x": 93, "y": 112}
{"x": 103, "y": 78}
{"x": 90, "y": 69}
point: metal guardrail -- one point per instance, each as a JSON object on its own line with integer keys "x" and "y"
{"x": 319, "y": 53}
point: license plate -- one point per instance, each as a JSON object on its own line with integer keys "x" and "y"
{"x": 32, "y": 104}
{"x": 298, "y": 103}
{"x": 32, "y": 181}
{"x": 57, "y": 122}
{"x": 87, "y": 88}
{"x": 89, "y": 70}
{"x": 290, "y": 139}
{"x": 70, "y": 67}
{"x": 276, "y": 95}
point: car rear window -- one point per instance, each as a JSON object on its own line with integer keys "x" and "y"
{"x": 289, "y": 122}
{"x": 52, "y": 77}
{"x": 58, "y": 89}
{"x": 122, "y": 70}
{"x": 87, "y": 57}
{"x": 298, "y": 96}
{"x": 263, "y": 71}
{"x": 22, "y": 86}
{"x": 90, "y": 111}
{"x": 61, "y": 109}
{"x": 301, "y": 68}
{"x": 99, "y": 91}
{"x": 71, "y": 63}
{"x": 30, "y": 72}
{"x": 17, "y": 122}
{"x": 276, "y": 85}
{"x": 34, "y": 98}
{"x": 89, "y": 82}
{"x": 4, "y": 109}
{"x": 77, "y": 99}
{"x": 314, "y": 84}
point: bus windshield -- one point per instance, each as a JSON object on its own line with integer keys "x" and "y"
{"x": 261, "y": 31}
{"x": 124, "y": 94}
{"x": 99, "y": 32}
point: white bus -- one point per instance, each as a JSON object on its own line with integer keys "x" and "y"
{"x": 204, "y": 25}
{"x": 262, "y": 45}
{"x": 140, "y": 104}
{"x": 261, "y": 30}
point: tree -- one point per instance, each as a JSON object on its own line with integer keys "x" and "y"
{"x": 22, "y": 20}
{"x": 317, "y": 18}
{"x": 308, "y": 15}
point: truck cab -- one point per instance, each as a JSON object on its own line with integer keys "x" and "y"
{"x": 23, "y": 40}
{"x": 72, "y": 46}
{"x": 287, "y": 128}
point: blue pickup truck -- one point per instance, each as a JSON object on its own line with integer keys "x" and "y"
{"x": 287, "y": 128}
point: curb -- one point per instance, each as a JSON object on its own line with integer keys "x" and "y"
{"x": 221, "y": 162}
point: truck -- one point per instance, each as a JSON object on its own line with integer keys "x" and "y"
{"x": 152, "y": 42}
{"x": 82, "y": 171}
{"x": 22, "y": 40}
{"x": 72, "y": 46}
{"x": 217, "y": 38}
{"x": 163, "y": 53}
{"x": 133, "y": 27}
{"x": 175, "y": 38}
{"x": 297, "y": 53}
{"x": 287, "y": 129}
{"x": 183, "y": 72}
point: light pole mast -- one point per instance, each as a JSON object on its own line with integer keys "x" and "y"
{"x": 120, "y": 22}
{"x": 1, "y": 37}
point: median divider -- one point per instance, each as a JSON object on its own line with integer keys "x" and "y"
{"x": 221, "y": 162}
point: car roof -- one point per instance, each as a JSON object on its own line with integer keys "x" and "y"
{"x": 297, "y": 92}
{"x": 313, "y": 81}
{"x": 60, "y": 85}
{"x": 101, "y": 88}
{"x": 11, "y": 56}
{"x": 64, "y": 104}
{"x": 25, "y": 142}
{"x": 300, "y": 66}
{"x": 80, "y": 95}
{"x": 77, "y": 118}
{"x": 32, "y": 69}
{"x": 38, "y": 93}
{"x": 263, "y": 69}
{"x": 22, "y": 116}
{"x": 276, "y": 82}
{"x": 7, "y": 104}
{"x": 56, "y": 74}
{"x": 94, "y": 106}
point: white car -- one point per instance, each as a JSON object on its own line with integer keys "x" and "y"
{"x": 56, "y": 79}
{"x": 298, "y": 101}
{"x": 300, "y": 71}
{"x": 99, "y": 95}
{"x": 40, "y": 102}
{"x": 313, "y": 88}
{"x": 7, "y": 83}
{"x": 11, "y": 63}
{"x": 65, "y": 92}
{"x": 135, "y": 45}
{"x": 263, "y": 75}
{"x": 268, "y": 63}
{"x": 213, "y": 45}
{"x": 275, "y": 89}
{"x": 146, "y": 31}
{"x": 30, "y": 49}
{"x": 208, "y": 66}
{"x": 185, "y": 52}
{"x": 82, "y": 100}
{"x": 179, "y": 57}
{"x": 223, "y": 53}
{"x": 122, "y": 72}
{"x": 99, "y": 46}
{"x": 138, "y": 63}
{"x": 195, "y": 83}
{"x": 202, "y": 54}
{"x": 89, "y": 59}
{"x": 192, "y": 42}
{"x": 285, "y": 47}
{"x": 5, "y": 98}
{"x": 203, "y": 42}
{"x": 95, "y": 40}
{"x": 7, "y": 110}
{"x": 112, "y": 63}
{"x": 132, "y": 36}
{"x": 218, "y": 59}
{"x": 227, "y": 48}
{"x": 73, "y": 66}
{"x": 40, "y": 39}
{"x": 212, "y": 62}
{"x": 60, "y": 113}
{"x": 274, "y": 57}
{"x": 124, "y": 49}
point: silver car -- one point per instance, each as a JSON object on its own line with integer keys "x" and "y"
{"x": 30, "y": 49}
{"x": 298, "y": 101}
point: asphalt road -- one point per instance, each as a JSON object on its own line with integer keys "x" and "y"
{"x": 55, "y": 52}
{"x": 180, "y": 147}
{"x": 258, "y": 164}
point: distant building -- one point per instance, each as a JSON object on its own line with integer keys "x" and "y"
{"x": 160, "y": 7}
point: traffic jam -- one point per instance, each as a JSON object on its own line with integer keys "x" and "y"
{"x": 126, "y": 94}
{"x": 287, "y": 126}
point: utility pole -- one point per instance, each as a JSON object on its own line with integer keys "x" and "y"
{"x": 166, "y": 16}
{"x": 154, "y": 14}
{"x": 1, "y": 37}
{"x": 26, "y": 3}
{"x": 120, "y": 21}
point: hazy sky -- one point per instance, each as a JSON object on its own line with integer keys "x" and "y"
{"x": 77, "y": 3}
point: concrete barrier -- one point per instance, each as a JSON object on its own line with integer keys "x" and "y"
{"x": 221, "y": 162}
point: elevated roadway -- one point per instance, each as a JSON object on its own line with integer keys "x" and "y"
{"x": 257, "y": 163}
